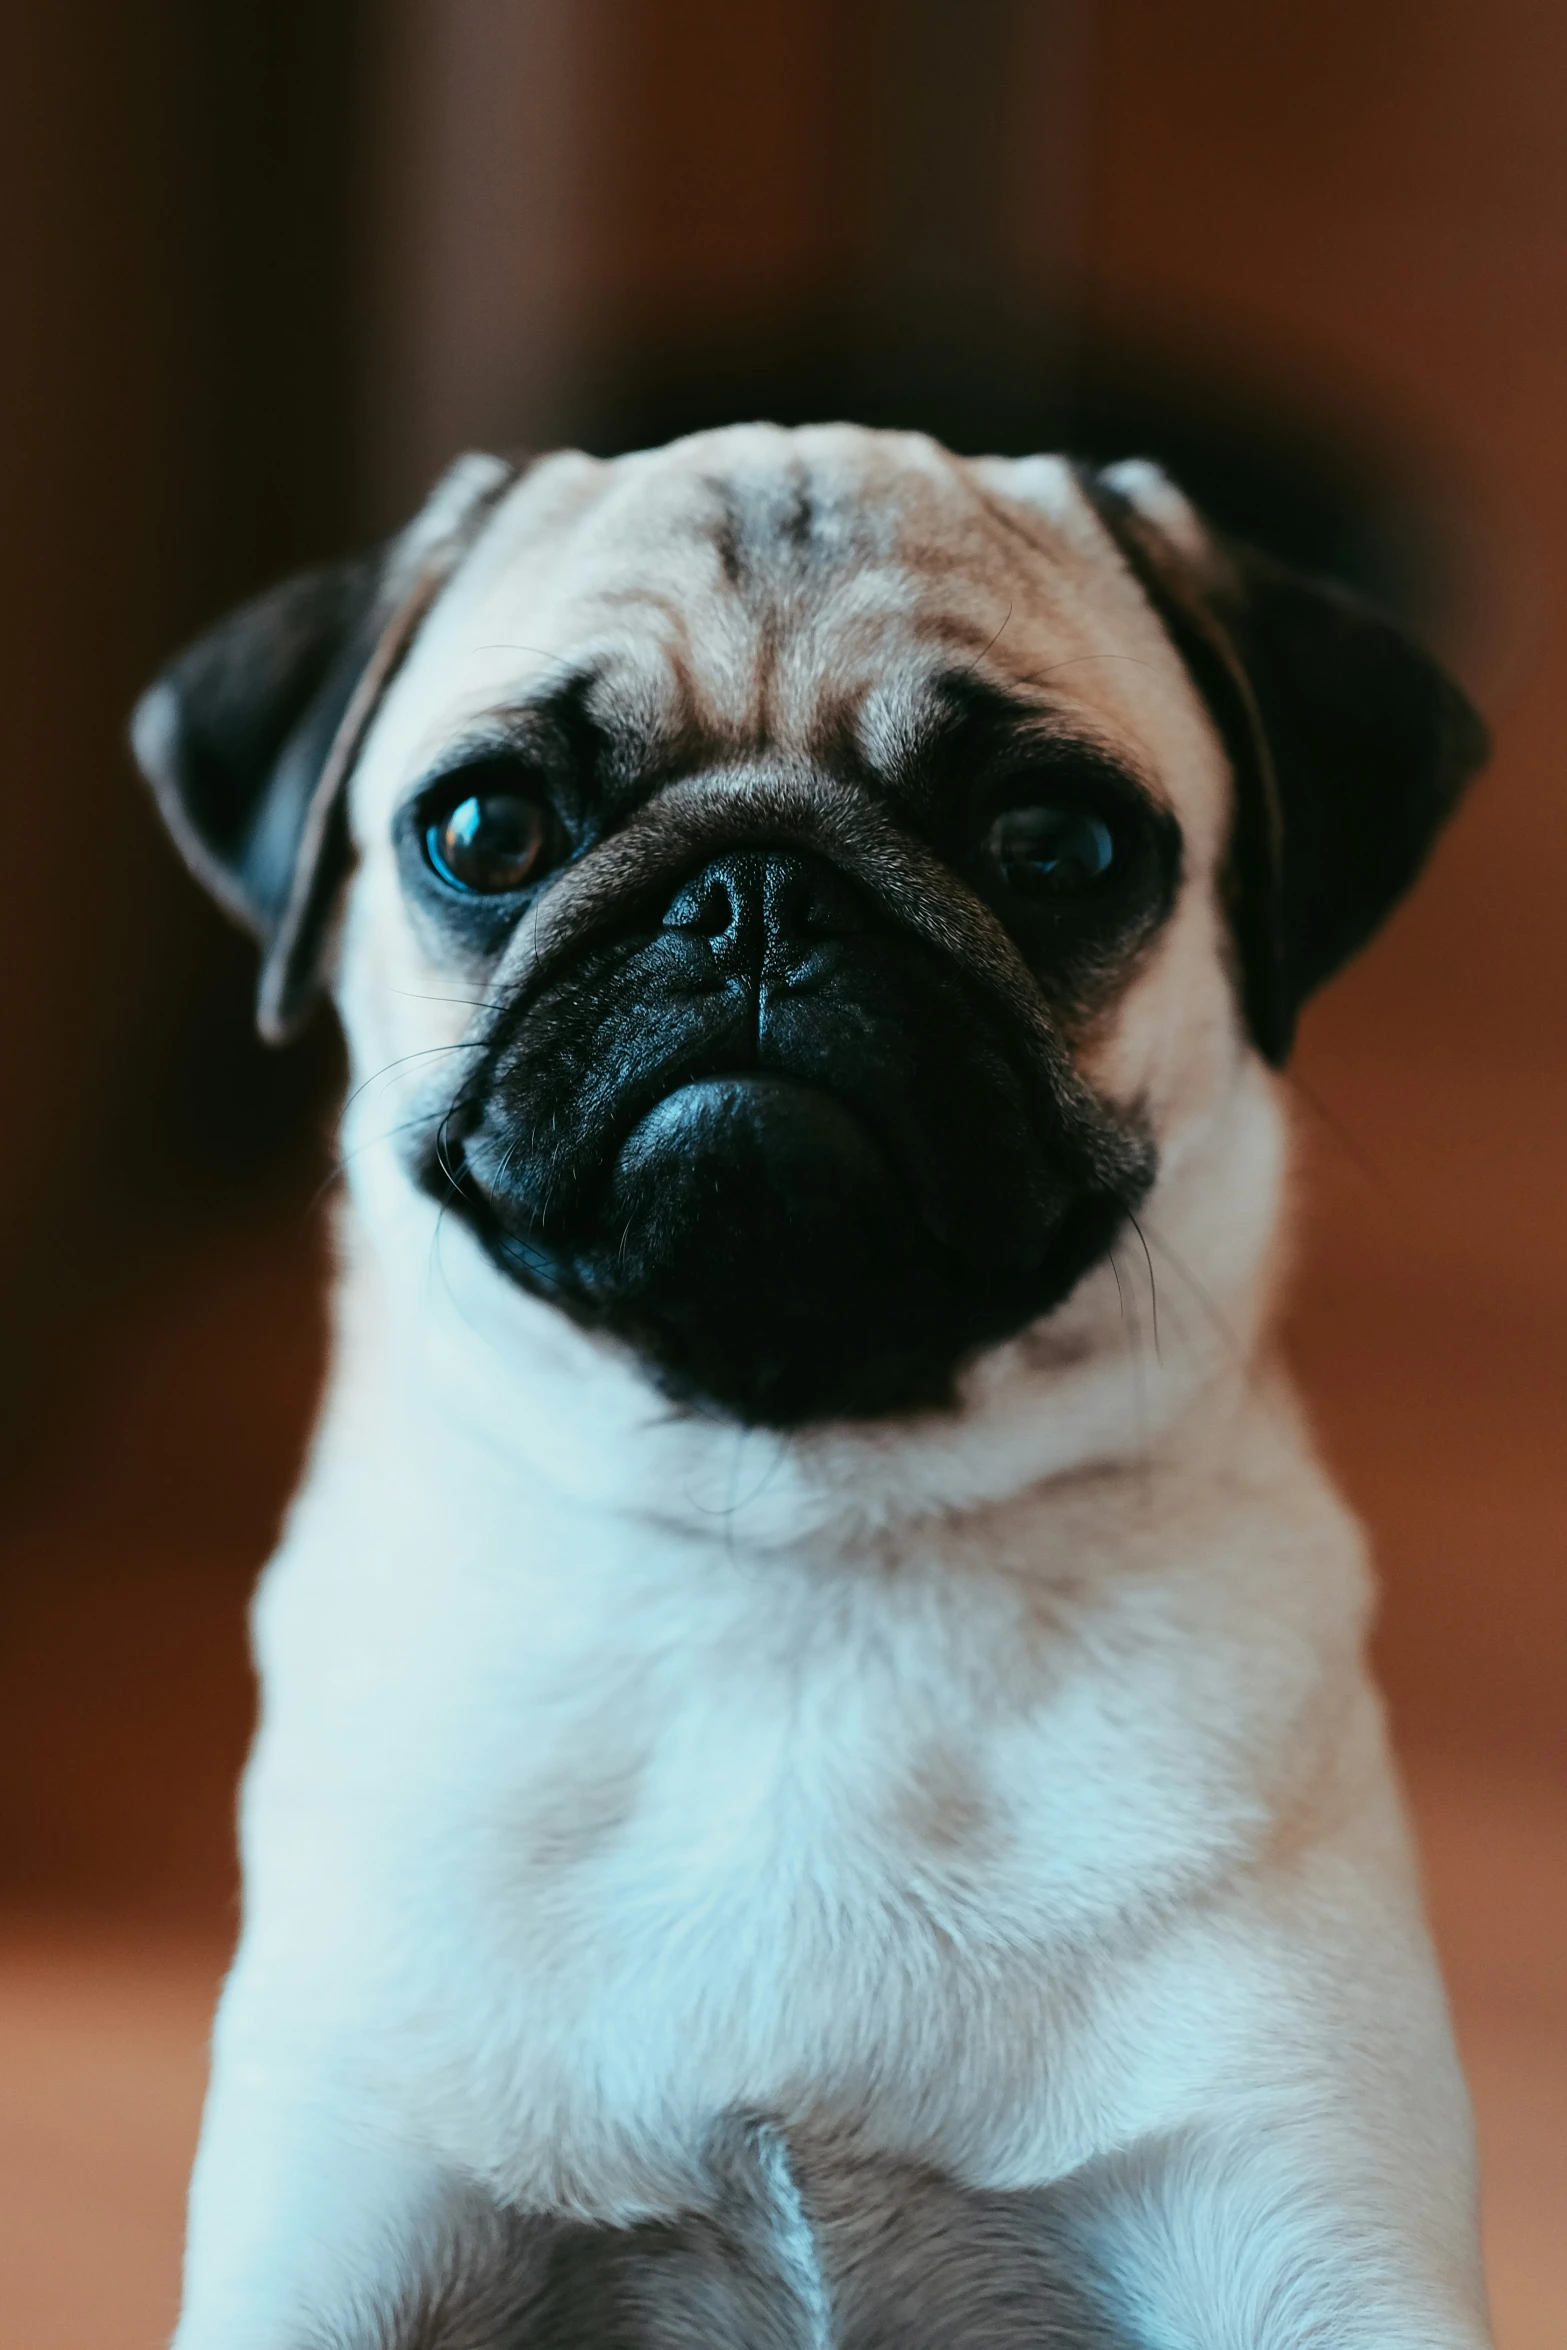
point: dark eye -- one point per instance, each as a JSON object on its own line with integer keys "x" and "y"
{"x": 1051, "y": 851}
{"x": 489, "y": 843}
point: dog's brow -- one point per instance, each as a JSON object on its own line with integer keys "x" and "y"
{"x": 964, "y": 707}
{"x": 958, "y": 722}
{"x": 612, "y": 742}
{"x": 561, "y": 708}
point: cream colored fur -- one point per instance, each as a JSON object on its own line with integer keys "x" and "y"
{"x": 1002, "y": 1787}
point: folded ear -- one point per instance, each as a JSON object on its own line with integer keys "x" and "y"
{"x": 1350, "y": 746}
{"x": 249, "y": 736}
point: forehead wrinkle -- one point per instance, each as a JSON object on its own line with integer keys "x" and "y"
{"x": 799, "y": 541}
{"x": 785, "y": 554}
{"x": 718, "y": 645}
{"x": 861, "y": 622}
{"x": 587, "y": 555}
{"x": 901, "y": 553}
{"x": 764, "y": 526}
{"x": 651, "y": 709}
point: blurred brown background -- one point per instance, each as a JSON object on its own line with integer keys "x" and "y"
{"x": 269, "y": 263}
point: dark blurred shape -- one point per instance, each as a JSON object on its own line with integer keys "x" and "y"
{"x": 934, "y": 313}
{"x": 1315, "y": 490}
{"x": 274, "y": 120}
{"x": 185, "y": 234}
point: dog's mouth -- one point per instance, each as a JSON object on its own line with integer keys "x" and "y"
{"x": 763, "y": 1156}
{"x": 757, "y": 1244}
{"x": 799, "y": 1196}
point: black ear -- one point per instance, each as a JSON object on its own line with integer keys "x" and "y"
{"x": 1371, "y": 746}
{"x": 249, "y": 736}
{"x": 1350, "y": 745}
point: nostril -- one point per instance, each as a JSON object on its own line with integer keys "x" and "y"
{"x": 765, "y": 907}
{"x": 808, "y": 900}
{"x": 706, "y": 906}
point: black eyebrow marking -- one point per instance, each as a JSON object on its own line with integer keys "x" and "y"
{"x": 560, "y": 701}
{"x": 962, "y": 716}
{"x": 564, "y": 707}
{"x": 961, "y": 741}
{"x": 597, "y": 750}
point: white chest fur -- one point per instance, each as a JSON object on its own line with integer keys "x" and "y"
{"x": 576, "y": 1827}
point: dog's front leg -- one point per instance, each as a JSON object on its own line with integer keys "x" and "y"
{"x": 1275, "y": 2234}
{"x": 314, "y": 2224}
{"x": 313, "y": 2228}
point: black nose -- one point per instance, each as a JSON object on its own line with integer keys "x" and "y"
{"x": 769, "y": 912}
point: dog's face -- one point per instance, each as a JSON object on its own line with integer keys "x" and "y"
{"x": 805, "y": 816}
{"x": 810, "y": 890}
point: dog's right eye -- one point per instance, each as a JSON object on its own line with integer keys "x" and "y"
{"x": 488, "y": 843}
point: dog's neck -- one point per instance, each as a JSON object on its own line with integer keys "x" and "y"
{"x": 1151, "y": 1378}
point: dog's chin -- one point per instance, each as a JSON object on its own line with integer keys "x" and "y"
{"x": 754, "y": 1243}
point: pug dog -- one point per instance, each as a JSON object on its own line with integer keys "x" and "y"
{"x": 817, "y": 1780}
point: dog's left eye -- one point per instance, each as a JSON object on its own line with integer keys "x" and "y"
{"x": 1051, "y": 851}
{"x": 489, "y": 843}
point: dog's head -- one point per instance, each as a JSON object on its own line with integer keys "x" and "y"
{"x": 816, "y": 888}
